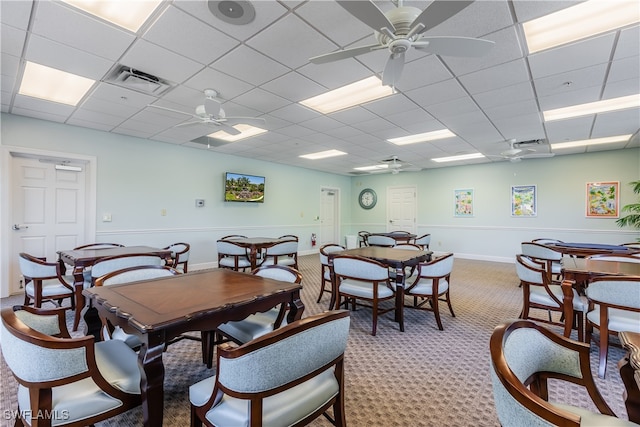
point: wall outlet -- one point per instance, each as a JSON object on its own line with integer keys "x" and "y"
{"x": 199, "y": 203}
{"x": 106, "y": 217}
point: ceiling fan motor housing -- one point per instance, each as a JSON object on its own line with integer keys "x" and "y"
{"x": 401, "y": 18}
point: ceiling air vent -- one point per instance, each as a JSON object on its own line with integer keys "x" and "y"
{"x": 137, "y": 80}
{"x": 531, "y": 142}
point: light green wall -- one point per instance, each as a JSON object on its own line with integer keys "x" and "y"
{"x": 137, "y": 178}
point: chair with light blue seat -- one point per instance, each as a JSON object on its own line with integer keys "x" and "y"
{"x": 423, "y": 241}
{"x": 524, "y": 356}
{"x": 358, "y": 278}
{"x": 538, "y": 292}
{"x": 430, "y": 285}
{"x": 285, "y": 253}
{"x": 233, "y": 256}
{"x": 551, "y": 258}
{"x": 383, "y": 241}
{"x": 325, "y": 270}
{"x": 179, "y": 256}
{"x": 44, "y": 281}
{"x": 118, "y": 262}
{"x": 614, "y": 306}
{"x": 127, "y": 275}
{"x": 287, "y": 377}
{"x": 62, "y": 380}
{"x": 259, "y": 324}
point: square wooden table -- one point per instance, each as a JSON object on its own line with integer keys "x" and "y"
{"x": 83, "y": 258}
{"x": 398, "y": 259}
{"x": 255, "y": 245}
{"x": 158, "y": 310}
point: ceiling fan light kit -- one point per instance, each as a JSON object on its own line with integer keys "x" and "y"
{"x": 402, "y": 28}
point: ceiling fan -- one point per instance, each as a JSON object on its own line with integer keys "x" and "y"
{"x": 211, "y": 113}
{"x": 395, "y": 166}
{"x": 516, "y": 153}
{"x": 401, "y": 29}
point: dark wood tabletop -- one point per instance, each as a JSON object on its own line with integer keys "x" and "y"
{"x": 160, "y": 309}
{"x": 391, "y": 257}
{"x": 83, "y": 258}
{"x": 585, "y": 249}
{"x": 630, "y": 372}
{"x": 398, "y": 237}
{"x": 582, "y": 270}
{"x": 255, "y": 245}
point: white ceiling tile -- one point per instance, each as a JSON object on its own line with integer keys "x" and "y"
{"x": 111, "y": 108}
{"x": 249, "y": 65}
{"x": 40, "y": 105}
{"x": 295, "y": 113}
{"x": 526, "y": 10}
{"x": 477, "y": 20}
{"x": 496, "y": 77}
{"x": 335, "y": 74}
{"x": 625, "y": 69}
{"x": 89, "y": 124}
{"x": 12, "y": 40}
{"x": 561, "y": 83}
{"x": 518, "y": 108}
{"x": 9, "y": 65}
{"x": 568, "y": 98}
{"x": 321, "y": 124}
{"x": 228, "y": 87}
{"x": 422, "y": 72}
{"x": 452, "y": 108}
{"x": 97, "y": 117}
{"x": 117, "y": 94}
{"x": 627, "y": 44}
{"x": 294, "y": 87}
{"x": 188, "y": 36}
{"x": 622, "y": 88}
{"x": 505, "y": 95}
{"x": 16, "y": 13}
{"x": 437, "y": 93}
{"x": 569, "y": 130}
{"x": 163, "y": 63}
{"x": 38, "y": 114}
{"x": 261, "y": 100}
{"x": 62, "y": 23}
{"x": 334, "y": 22}
{"x": 616, "y": 123}
{"x": 528, "y": 126}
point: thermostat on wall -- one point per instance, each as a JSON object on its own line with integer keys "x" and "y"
{"x": 199, "y": 203}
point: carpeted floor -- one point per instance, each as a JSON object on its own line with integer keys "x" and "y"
{"x": 422, "y": 377}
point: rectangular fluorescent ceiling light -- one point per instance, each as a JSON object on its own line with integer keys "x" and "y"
{"x": 39, "y": 81}
{"x": 613, "y": 104}
{"x": 246, "y": 131}
{"x": 126, "y": 14}
{"x": 587, "y": 142}
{"x": 372, "y": 168}
{"x": 578, "y": 22}
{"x": 461, "y": 157}
{"x": 350, "y": 95}
{"x": 422, "y": 137}
{"x": 323, "y": 154}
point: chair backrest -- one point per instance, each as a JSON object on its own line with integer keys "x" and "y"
{"x": 616, "y": 257}
{"x": 225, "y": 247}
{"x": 180, "y": 254}
{"x": 34, "y": 268}
{"x": 99, "y": 246}
{"x": 423, "y": 241}
{"x": 634, "y": 245}
{"x": 522, "y": 349}
{"x": 363, "y": 236}
{"x": 408, "y": 247}
{"x": 530, "y": 271}
{"x": 360, "y": 268}
{"x": 325, "y": 250}
{"x": 289, "y": 247}
{"x": 289, "y": 237}
{"x": 438, "y": 267}
{"x": 377, "y": 240}
{"x": 133, "y": 274}
{"x": 540, "y": 251}
{"x": 234, "y": 236}
{"x": 285, "y": 357}
{"x": 618, "y": 291}
{"x": 544, "y": 241}
{"x": 279, "y": 272}
{"x": 118, "y": 262}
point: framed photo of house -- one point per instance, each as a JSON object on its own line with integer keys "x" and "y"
{"x": 603, "y": 199}
{"x": 463, "y": 202}
{"x": 523, "y": 201}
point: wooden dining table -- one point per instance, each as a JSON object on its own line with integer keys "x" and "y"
{"x": 83, "y": 258}
{"x": 582, "y": 250}
{"x": 398, "y": 259}
{"x": 397, "y": 236}
{"x": 159, "y": 310}
{"x": 582, "y": 270}
{"x": 255, "y": 245}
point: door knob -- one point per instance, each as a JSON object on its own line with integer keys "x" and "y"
{"x": 19, "y": 226}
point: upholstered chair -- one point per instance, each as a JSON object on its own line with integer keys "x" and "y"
{"x": 66, "y": 381}
{"x": 430, "y": 285}
{"x": 362, "y": 279}
{"x": 362, "y": 238}
{"x": 523, "y": 356}
{"x": 118, "y": 262}
{"x": 551, "y": 258}
{"x": 232, "y": 256}
{"x": 538, "y": 292}
{"x": 614, "y": 306}
{"x": 384, "y": 241}
{"x": 285, "y": 253}
{"x": 287, "y": 377}
{"x": 325, "y": 270}
{"x": 423, "y": 241}
{"x": 179, "y": 256}
{"x": 44, "y": 281}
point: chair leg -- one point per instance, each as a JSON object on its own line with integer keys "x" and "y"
{"x": 448, "y": 299}
{"x": 604, "y": 349}
{"x": 195, "y": 420}
{"x": 375, "y": 317}
{"x": 436, "y": 312}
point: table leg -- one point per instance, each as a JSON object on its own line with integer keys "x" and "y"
{"x": 93, "y": 322}
{"x": 253, "y": 257}
{"x": 152, "y": 383}
{"x": 296, "y": 308}
{"x": 399, "y": 317}
{"x": 78, "y": 285}
{"x": 632, "y": 390}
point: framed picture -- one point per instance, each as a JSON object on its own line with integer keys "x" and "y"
{"x": 523, "y": 201}
{"x": 602, "y": 199}
{"x": 463, "y": 202}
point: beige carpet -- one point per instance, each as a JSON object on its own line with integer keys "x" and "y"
{"x": 422, "y": 377}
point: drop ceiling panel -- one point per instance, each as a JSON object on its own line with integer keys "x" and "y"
{"x": 294, "y": 87}
{"x": 568, "y": 98}
{"x": 160, "y": 62}
{"x": 334, "y": 21}
{"x": 12, "y": 40}
{"x": 249, "y": 65}
{"x": 335, "y": 74}
{"x": 616, "y": 123}
{"x": 562, "y": 83}
{"x": 437, "y": 93}
{"x": 228, "y": 87}
{"x": 16, "y": 13}
{"x": 622, "y": 88}
{"x": 625, "y": 69}
{"x": 295, "y": 113}
{"x": 423, "y": 72}
{"x": 507, "y": 74}
{"x": 628, "y": 42}
{"x": 505, "y": 95}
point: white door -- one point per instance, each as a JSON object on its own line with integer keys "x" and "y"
{"x": 401, "y": 209}
{"x": 329, "y": 217}
{"x": 47, "y": 213}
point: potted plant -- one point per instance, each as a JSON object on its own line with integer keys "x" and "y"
{"x": 633, "y": 218}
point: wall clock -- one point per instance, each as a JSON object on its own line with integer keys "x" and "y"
{"x": 367, "y": 198}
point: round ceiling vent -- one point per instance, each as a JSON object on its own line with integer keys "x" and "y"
{"x": 234, "y": 12}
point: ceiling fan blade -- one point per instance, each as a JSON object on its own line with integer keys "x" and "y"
{"x": 437, "y": 12}
{"x": 393, "y": 70}
{"x": 196, "y": 122}
{"x": 538, "y": 155}
{"x": 344, "y": 54}
{"x": 368, "y": 13}
{"x": 454, "y": 46}
{"x": 212, "y": 106}
{"x": 228, "y": 128}
{"x": 170, "y": 109}
{"x": 253, "y": 121}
